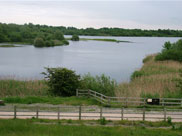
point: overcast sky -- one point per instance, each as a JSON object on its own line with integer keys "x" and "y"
{"x": 125, "y": 14}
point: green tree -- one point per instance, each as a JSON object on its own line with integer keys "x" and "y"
{"x": 75, "y": 38}
{"x": 15, "y": 37}
{"x": 39, "y": 42}
{"x": 3, "y": 38}
{"x": 59, "y": 35}
{"x": 62, "y": 81}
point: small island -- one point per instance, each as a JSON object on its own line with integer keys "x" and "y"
{"x": 9, "y": 46}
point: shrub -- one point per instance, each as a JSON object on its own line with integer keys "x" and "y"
{"x": 65, "y": 42}
{"x": 39, "y": 42}
{"x": 75, "y": 38}
{"x": 169, "y": 120}
{"x": 171, "y": 52}
{"x": 103, "y": 121}
{"x": 101, "y": 84}
{"x": 137, "y": 74}
{"x": 62, "y": 81}
{"x": 49, "y": 43}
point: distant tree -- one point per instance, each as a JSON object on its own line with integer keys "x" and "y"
{"x": 15, "y": 37}
{"x": 59, "y": 35}
{"x": 62, "y": 81}
{"x": 75, "y": 38}
{"x": 3, "y": 38}
{"x": 49, "y": 43}
{"x": 39, "y": 42}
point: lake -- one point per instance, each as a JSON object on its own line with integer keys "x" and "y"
{"x": 117, "y": 60}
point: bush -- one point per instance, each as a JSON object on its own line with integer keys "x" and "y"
{"x": 39, "y": 42}
{"x": 169, "y": 120}
{"x": 101, "y": 84}
{"x": 65, "y": 42}
{"x": 62, "y": 81}
{"x": 75, "y": 38}
{"x": 137, "y": 74}
{"x": 171, "y": 52}
{"x": 49, "y": 43}
{"x": 103, "y": 121}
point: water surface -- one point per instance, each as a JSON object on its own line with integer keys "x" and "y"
{"x": 117, "y": 60}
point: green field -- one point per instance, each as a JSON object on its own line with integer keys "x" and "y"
{"x": 39, "y": 128}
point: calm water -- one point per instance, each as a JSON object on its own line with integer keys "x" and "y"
{"x": 117, "y": 60}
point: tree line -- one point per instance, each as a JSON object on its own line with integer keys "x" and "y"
{"x": 54, "y": 34}
{"x": 39, "y": 35}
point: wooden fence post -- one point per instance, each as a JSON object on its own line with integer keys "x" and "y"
{"x": 14, "y": 112}
{"x": 144, "y": 101}
{"x": 101, "y": 112}
{"x": 37, "y": 112}
{"x": 143, "y": 113}
{"x": 88, "y": 93}
{"x": 58, "y": 113}
{"x": 80, "y": 112}
{"x": 122, "y": 113}
{"x": 163, "y": 102}
{"x": 164, "y": 114}
{"x": 126, "y": 102}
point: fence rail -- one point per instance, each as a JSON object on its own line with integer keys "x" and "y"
{"x": 92, "y": 113}
{"x": 127, "y": 101}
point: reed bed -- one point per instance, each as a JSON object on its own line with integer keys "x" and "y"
{"x": 12, "y": 87}
{"x": 156, "y": 79}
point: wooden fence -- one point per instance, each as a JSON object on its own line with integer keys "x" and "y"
{"x": 127, "y": 101}
{"x": 91, "y": 113}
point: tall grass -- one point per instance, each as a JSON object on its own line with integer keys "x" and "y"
{"x": 155, "y": 79}
{"x": 11, "y": 87}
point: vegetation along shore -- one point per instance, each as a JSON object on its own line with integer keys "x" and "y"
{"x": 160, "y": 76}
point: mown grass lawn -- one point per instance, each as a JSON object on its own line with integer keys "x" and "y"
{"x": 30, "y": 128}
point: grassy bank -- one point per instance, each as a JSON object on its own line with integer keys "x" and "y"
{"x": 51, "y": 100}
{"x": 9, "y": 46}
{"x": 32, "y": 128}
{"x": 154, "y": 79}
